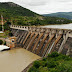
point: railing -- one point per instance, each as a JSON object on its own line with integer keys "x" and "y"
{"x": 19, "y": 27}
{"x": 40, "y": 29}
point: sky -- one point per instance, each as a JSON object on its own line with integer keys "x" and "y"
{"x": 44, "y": 6}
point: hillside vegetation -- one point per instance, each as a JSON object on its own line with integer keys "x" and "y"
{"x": 19, "y": 15}
{"x": 53, "y": 63}
{"x": 12, "y": 9}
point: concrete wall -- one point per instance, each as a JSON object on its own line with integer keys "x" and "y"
{"x": 55, "y": 42}
{"x": 40, "y": 29}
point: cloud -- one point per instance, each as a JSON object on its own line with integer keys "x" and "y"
{"x": 4, "y": 0}
{"x": 52, "y": 7}
{"x": 37, "y": 4}
{"x": 45, "y": 6}
{"x": 65, "y": 1}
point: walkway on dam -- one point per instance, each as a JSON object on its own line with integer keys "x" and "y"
{"x": 16, "y": 60}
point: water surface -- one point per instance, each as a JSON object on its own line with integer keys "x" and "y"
{"x": 16, "y": 60}
{"x": 63, "y": 26}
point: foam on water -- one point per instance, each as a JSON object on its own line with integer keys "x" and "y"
{"x": 3, "y": 47}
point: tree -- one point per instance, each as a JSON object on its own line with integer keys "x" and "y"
{"x": 6, "y": 25}
{"x": 10, "y": 34}
{"x": 1, "y": 42}
{"x": 0, "y": 28}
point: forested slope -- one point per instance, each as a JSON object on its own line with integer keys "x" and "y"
{"x": 18, "y": 15}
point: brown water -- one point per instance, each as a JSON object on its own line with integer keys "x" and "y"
{"x": 16, "y": 60}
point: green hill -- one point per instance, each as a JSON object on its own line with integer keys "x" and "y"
{"x": 13, "y": 9}
{"x": 18, "y": 15}
{"x": 67, "y": 15}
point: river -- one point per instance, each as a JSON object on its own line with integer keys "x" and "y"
{"x": 16, "y": 60}
{"x": 63, "y": 26}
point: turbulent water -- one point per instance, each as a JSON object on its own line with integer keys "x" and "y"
{"x": 16, "y": 60}
{"x": 63, "y": 26}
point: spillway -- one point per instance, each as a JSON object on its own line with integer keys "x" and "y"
{"x": 42, "y": 41}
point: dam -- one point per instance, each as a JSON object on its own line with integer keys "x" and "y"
{"x": 43, "y": 41}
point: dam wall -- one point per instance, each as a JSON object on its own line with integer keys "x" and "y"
{"x": 43, "y": 41}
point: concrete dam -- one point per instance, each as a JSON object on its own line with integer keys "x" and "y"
{"x": 43, "y": 41}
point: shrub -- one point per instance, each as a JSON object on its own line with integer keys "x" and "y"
{"x": 32, "y": 69}
{"x": 65, "y": 67}
{"x": 1, "y": 42}
{"x": 43, "y": 69}
{"x": 10, "y": 34}
{"x": 0, "y": 28}
{"x": 64, "y": 57}
{"x": 53, "y": 70}
{"x": 6, "y": 25}
{"x": 36, "y": 64}
{"x": 52, "y": 64}
{"x": 54, "y": 54}
{"x": 5, "y": 43}
{"x": 44, "y": 59}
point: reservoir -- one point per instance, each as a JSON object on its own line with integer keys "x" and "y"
{"x": 63, "y": 26}
{"x": 16, "y": 60}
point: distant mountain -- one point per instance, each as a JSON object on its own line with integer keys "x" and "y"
{"x": 67, "y": 15}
